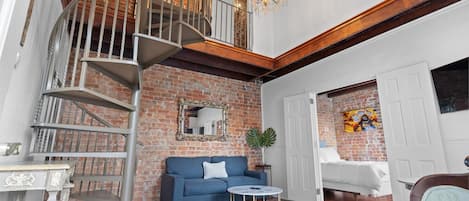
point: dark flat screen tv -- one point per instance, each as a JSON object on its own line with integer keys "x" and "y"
{"x": 452, "y": 86}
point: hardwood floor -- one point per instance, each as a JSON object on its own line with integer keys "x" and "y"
{"x": 339, "y": 196}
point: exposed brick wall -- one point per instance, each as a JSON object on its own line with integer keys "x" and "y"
{"x": 364, "y": 145}
{"x": 358, "y": 146}
{"x": 326, "y": 125}
{"x": 163, "y": 87}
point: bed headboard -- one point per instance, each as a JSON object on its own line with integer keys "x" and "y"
{"x": 422, "y": 185}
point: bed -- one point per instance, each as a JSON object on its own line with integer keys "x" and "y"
{"x": 368, "y": 178}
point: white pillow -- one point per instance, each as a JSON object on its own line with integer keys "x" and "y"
{"x": 328, "y": 154}
{"x": 214, "y": 170}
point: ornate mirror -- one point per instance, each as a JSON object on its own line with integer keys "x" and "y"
{"x": 202, "y": 121}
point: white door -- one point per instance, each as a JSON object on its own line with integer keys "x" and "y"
{"x": 411, "y": 126}
{"x": 301, "y": 140}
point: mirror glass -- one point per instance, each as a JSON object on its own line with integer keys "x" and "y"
{"x": 202, "y": 121}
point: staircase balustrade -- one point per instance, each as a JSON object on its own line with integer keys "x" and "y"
{"x": 97, "y": 46}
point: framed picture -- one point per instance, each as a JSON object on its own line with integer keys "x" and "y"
{"x": 360, "y": 120}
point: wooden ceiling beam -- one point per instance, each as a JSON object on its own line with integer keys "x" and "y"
{"x": 232, "y": 53}
{"x": 218, "y": 62}
{"x": 206, "y": 69}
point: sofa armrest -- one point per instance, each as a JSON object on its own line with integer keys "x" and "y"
{"x": 172, "y": 187}
{"x": 257, "y": 174}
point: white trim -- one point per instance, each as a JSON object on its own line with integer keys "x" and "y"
{"x": 315, "y": 125}
{"x": 6, "y": 12}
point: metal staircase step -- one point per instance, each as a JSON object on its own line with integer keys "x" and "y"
{"x": 82, "y": 154}
{"x": 123, "y": 71}
{"x": 106, "y": 178}
{"x": 88, "y": 96}
{"x": 189, "y": 33}
{"x": 83, "y": 128}
{"x": 152, "y": 50}
{"x": 95, "y": 196}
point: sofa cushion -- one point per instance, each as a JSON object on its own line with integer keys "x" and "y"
{"x": 241, "y": 181}
{"x": 187, "y": 167}
{"x": 214, "y": 170}
{"x": 235, "y": 165}
{"x": 204, "y": 186}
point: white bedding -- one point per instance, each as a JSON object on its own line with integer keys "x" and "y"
{"x": 368, "y": 174}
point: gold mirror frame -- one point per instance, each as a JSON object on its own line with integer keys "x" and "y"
{"x": 181, "y": 136}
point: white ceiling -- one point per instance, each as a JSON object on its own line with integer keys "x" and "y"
{"x": 297, "y": 21}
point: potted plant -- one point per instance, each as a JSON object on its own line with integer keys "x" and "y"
{"x": 261, "y": 140}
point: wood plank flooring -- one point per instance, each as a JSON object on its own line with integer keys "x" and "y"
{"x": 340, "y": 196}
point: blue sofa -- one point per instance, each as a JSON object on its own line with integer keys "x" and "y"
{"x": 183, "y": 180}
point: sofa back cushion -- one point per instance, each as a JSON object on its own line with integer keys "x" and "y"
{"x": 188, "y": 167}
{"x": 235, "y": 165}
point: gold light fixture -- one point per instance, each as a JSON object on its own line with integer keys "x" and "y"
{"x": 265, "y": 5}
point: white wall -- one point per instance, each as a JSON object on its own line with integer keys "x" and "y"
{"x": 263, "y": 32}
{"x": 297, "y": 21}
{"x": 21, "y": 81}
{"x": 8, "y": 47}
{"x": 436, "y": 39}
{"x": 455, "y": 139}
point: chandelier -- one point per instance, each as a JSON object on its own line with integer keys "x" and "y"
{"x": 265, "y": 5}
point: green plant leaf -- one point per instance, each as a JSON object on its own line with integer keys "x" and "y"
{"x": 256, "y": 139}
{"x": 268, "y": 137}
{"x": 253, "y": 138}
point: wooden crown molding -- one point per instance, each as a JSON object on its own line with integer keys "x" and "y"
{"x": 381, "y": 18}
{"x": 352, "y": 26}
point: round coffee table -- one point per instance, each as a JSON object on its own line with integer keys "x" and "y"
{"x": 254, "y": 191}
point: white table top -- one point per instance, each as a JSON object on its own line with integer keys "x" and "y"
{"x": 253, "y": 190}
{"x": 35, "y": 165}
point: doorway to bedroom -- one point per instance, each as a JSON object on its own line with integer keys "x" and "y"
{"x": 352, "y": 144}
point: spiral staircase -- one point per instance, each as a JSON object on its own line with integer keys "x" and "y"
{"x": 96, "y": 44}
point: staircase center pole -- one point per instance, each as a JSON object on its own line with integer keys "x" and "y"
{"x": 131, "y": 146}
{"x": 131, "y": 161}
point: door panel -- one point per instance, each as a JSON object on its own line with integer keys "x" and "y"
{"x": 411, "y": 126}
{"x": 301, "y": 141}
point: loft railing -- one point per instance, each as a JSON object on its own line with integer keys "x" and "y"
{"x": 232, "y": 24}
{"x": 162, "y": 18}
{"x": 216, "y": 19}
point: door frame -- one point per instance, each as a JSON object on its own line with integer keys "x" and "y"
{"x": 316, "y": 149}
{"x": 315, "y": 124}
{"x": 313, "y": 118}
